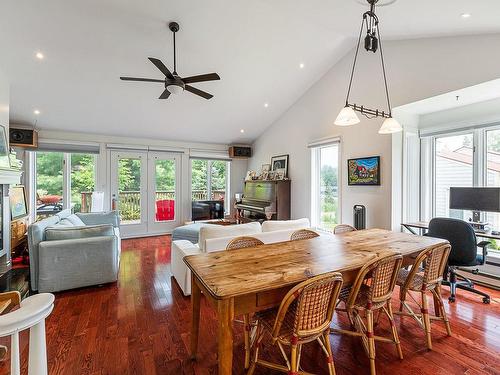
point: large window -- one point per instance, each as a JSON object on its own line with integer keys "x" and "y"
{"x": 325, "y": 187}
{"x": 461, "y": 159}
{"x": 64, "y": 180}
{"x": 453, "y": 167}
{"x": 210, "y": 180}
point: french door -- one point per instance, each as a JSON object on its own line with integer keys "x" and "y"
{"x": 145, "y": 189}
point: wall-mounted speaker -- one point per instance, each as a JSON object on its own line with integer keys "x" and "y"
{"x": 23, "y": 137}
{"x": 240, "y": 152}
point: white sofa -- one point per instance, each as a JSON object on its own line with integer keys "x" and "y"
{"x": 216, "y": 237}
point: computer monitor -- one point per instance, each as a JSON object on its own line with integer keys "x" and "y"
{"x": 476, "y": 199}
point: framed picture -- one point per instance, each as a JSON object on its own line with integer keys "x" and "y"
{"x": 270, "y": 175}
{"x": 17, "y": 200}
{"x": 266, "y": 168}
{"x": 279, "y": 174}
{"x": 364, "y": 171}
{"x": 4, "y": 151}
{"x": 280, "y": 162}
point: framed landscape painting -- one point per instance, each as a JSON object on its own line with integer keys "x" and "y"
{"x": 364, "y": 171}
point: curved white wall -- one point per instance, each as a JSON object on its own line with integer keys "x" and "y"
{"x": 417, "y": 69}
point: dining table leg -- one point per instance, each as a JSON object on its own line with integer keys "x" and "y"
{"x": 195, "y": 316}
{"x": 225, "y": 312}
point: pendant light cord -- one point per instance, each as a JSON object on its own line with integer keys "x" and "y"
{"x": 383, "y": 70}
{"x": 354, "y": 63}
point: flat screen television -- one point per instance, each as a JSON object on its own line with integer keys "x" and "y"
{"x": 207, "y": 210}
{"x": 17, "y": 200}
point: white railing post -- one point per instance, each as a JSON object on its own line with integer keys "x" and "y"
{"x": 15, "y": 361}
{"x": 37, "y": 350}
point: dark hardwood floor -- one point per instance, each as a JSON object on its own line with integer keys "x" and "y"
{"x": 141, "y": 326}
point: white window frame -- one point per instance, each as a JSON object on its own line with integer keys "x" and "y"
{"x": 227, "y": 198}
{"x": 66, "y": 178}
{"x": 315, "y": 180}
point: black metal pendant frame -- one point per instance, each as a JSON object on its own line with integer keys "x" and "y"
{"x": 372, "y": 43}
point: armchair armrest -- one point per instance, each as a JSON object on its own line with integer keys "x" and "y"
{"x": 484, "y": 245}
{"x": 97, "y": 218}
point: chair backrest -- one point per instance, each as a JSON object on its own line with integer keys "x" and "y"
{"x": 433, "y": 261}
{"x": 461, "y": 237}
{"x": 312, "y": 303}
{"x": 243, "y": 242}
{"x": 343, "y": 228}
{"x": 303, "y": 234}
{"x": 379, "y": 275}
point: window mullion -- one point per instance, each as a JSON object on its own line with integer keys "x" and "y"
{"x": 66, "y": 180}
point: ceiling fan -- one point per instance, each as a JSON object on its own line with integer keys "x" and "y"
{"x": 174, "y": 84}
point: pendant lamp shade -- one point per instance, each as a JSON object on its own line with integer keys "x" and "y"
{"x": 347, "y": 117}
{"x": 390, "y": 126}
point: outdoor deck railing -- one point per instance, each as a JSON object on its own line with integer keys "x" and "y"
{"x": 130, "y": 201}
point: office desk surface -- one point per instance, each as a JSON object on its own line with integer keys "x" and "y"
{"x": 425, "y": 225}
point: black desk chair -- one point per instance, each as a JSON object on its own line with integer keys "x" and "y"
{"x": 463, "y": 253}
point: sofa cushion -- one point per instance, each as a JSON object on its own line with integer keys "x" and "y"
{"x": 69, "y": 233}
{"x": 64, "y": 223}
{"x": 98, "y": 218}
{"x": 216, "y": 231}
{"x": 75, "y": 220}
{"x": 273, "y": 225}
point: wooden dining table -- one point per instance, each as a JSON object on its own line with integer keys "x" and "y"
{"x": 257, "y": 278}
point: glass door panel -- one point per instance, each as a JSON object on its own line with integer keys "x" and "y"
{"x": 454, "y": 160}
{"x": 82, "y": 181}
{"x": 164, "y": 173}
{"x": 129, "y": 190}
{"x": 49, "y": 183}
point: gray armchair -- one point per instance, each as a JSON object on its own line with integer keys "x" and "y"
{"x": 70, "y": 251}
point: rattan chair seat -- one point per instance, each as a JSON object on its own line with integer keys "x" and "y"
{"x": 416, "y": 283}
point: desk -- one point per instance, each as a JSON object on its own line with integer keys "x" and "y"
{"x": 424, "y": 225}
{"x": 253, "y": 279}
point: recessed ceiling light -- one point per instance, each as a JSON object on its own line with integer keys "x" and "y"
{"x": 266, "y": 105}
{"x": 39, "y": 56}
{"x": 36, "y": 112}
{"x": 242, "y": 130}
{"x": 301, "y": 65}
{"x": 465, "y": 15}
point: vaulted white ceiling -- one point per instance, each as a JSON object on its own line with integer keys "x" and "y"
{"x": 255, "y": 46}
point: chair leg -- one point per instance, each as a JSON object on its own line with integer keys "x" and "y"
{"x": 426, "y": 320}
{"x": 331, "y": 366}
{"x": 442, "y": 312}
{"x": 294, "y": 368}
{"x": 258, "y": 340}
{"x": 246, "y": 320}
{"x": 395, "y": 335}
{"x": 371, "y": 340}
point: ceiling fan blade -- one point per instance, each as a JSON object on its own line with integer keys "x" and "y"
{"x": 141, "y": 79}
{"x": 162, "y": 67}
{"x": 201, "y": 78}
{"x": 165, "y": 94}
{"x": 195, "y": 91}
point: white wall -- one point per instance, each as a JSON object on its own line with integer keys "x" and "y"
{"x": 417, "y": 69}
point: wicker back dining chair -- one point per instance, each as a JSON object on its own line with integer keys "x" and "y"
{"x": 304, "y": 316}
{"x": 343, "y": 228}
{"x": 425, "y": 276}
{"x": 303, "y": 234}
{"x": 249, "y": 325}
{"x": 243, "y": 242}
{"x": 372, "y": 291}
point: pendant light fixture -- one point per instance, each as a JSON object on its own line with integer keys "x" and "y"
{"x": 372, "y": 43}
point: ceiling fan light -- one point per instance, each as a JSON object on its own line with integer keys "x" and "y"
{"x": 347, "y": 117}
{"x": 175, "y": 89}
{"x": 390, "y": 126}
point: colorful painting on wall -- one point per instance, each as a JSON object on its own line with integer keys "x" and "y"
{"x": 364, "y": 171}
